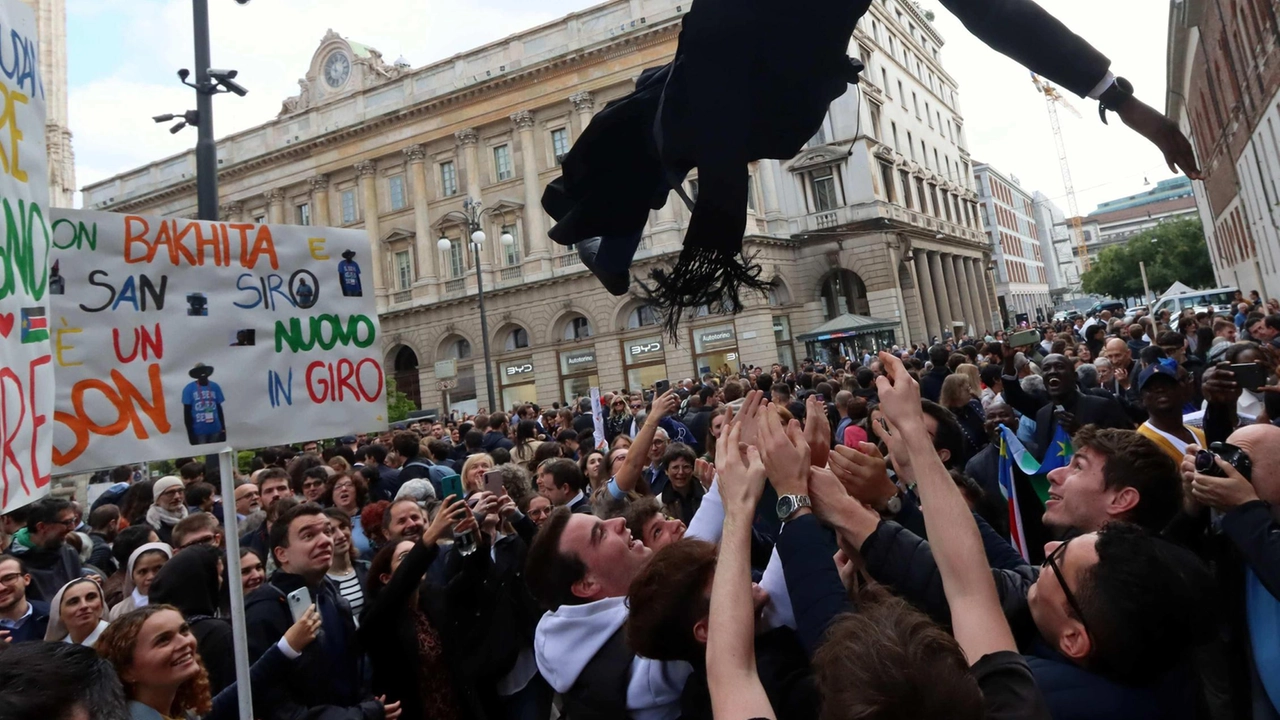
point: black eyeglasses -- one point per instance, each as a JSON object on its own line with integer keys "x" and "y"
{"x": 1052, "y": 561}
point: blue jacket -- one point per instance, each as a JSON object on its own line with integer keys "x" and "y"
{"x": 33, "y": 628}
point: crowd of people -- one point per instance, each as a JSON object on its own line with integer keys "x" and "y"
{"x": 855, "y": 540}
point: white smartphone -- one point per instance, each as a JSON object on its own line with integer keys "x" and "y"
{"x": 299, "y": 601}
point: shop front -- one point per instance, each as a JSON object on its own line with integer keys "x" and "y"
{"x": 578, "y": 374}
{"x": 645, "y": 360}
{"x": 850, "y": 337}
{"x": 516, "y": 378}
{"x": 715, "y": 349}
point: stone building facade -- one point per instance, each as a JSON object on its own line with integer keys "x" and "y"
{"x": 51, "y": 28}
{"x": 1008, "y": 213}
{"x": 875, "y": 217}
{"x": 1224, "y": 90}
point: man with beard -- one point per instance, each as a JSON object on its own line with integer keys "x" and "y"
{"x": 404, "y": 520}
{"x": 42, "y": 546}
{"x": 21, "y": 620}
{"x": 1064, "y": 404}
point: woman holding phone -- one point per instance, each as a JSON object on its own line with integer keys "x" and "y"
{"x": 473, "y": 470}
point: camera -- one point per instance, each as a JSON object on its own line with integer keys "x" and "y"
{"x": 1235, "y": 457}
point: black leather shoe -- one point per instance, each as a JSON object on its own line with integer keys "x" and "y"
{"x": 616, "y": 283}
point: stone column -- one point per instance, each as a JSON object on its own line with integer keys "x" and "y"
{"x": 980, "y": 304}
{"x": 425, "y": 245}
{"x": 928, "y": 304}
{"x": 275, "y": 206}
{"x": 584, "y": 102}
{"x": 231, "y": 212}
{"x": 940, "y": 290}
{"x": 966, "y": 298}
{"x": 989, "y": 292}
{"x": 469, "y": 139}
{"x": 953, "y": 291}
{"x": 320, "y": 200}
{"x": 368, "y": 172}
{"x": 768, "y": 185}
{"x": 535, "y": 238}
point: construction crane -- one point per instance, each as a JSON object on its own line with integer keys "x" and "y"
{"x": 1052, "y": 99}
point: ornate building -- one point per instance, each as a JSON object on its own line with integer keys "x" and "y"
{"x": 1008, "y": 213}
{"x": 872, "y": 231}
{"x": 51, "y": 27}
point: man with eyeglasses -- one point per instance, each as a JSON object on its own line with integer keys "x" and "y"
{"x": 21, "y": 620}
{"x": 42, "y": 546}
{"x": 196, "y": 529}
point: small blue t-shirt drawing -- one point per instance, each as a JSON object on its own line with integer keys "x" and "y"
{"x": 204, "y": 401}
{"x": 349, "y": 274}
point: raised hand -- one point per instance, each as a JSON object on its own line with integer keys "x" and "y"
{"x": 784, "y": 451}
{"x": 817, "y": 430}
{"x": 451, "y": 511}
{"x": 742, "y": 474}
{"x": 863, "y": 472}
{"x": 300, "y": 634}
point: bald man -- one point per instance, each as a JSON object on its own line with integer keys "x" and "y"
{"x": 1249, "y": 569}
{"x": 1124, "y": 383}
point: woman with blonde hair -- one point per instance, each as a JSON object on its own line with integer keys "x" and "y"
{"x": 473, "y": 470}
{"x": 77, "y": 614}
{"x": 154, "y": 654}
{"x": 970, "y": 371}
{"x": 957, "y": 396}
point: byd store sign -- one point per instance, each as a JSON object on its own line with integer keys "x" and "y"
{"x": 518, "y": 369}
{"x": 645, "y": 348}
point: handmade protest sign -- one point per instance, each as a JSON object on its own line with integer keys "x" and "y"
{"x": 178, "y": 337}
{"x": 26, "y": 376}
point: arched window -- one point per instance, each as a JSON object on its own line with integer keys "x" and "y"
{"x": 779, "y": 295}
{"x": 459, "y": 349}
{"x": 406, "y": 374}
{"x": 844, "y": 292}
{"x": 517, "y": 339}
{"x": 577, "y": 328}
{"x": 643, "y": 316}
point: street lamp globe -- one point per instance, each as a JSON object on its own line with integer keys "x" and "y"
{"x": 477, "y": 237}
{"x": 444, "y": 244}
{"x": 507, "y": 239}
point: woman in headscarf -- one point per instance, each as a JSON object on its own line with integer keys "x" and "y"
{"x": 77, "y": 613}
{"x": 155, "y": 654}
{"x": 167, "y": 507}
{"x": 192, "y": 582}
{"x": 144, "y": 565}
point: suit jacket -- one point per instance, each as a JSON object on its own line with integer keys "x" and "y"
{"x": 729, "y": 98}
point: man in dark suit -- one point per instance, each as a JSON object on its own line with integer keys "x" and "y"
{"x": 561, "y": 482}
{"x": 931, "y": 382}
{"x": 1078, "y": 409}
{"x": 728, "y": 98}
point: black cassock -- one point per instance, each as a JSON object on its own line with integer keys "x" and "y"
{"x": 751, "y": 79}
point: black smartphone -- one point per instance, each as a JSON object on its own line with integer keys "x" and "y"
{"x": 661, "y": 387}
{"x": 1249, "y": 376}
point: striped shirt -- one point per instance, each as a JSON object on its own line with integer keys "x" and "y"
{"x": 350, "y": 590}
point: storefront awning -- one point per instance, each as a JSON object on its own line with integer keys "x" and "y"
{"x": 848, "y": 325}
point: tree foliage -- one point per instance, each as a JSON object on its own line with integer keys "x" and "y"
{"x": 1173, "y": 251}
{"x": 398, "y": 404}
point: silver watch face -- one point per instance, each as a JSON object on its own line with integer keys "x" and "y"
{"x": 786, "y": 506}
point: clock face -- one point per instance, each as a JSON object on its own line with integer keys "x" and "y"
{"x": 337, "y": 68}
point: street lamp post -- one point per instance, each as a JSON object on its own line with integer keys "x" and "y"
{"x": 471, "y": 215}
{"x": 208, "y": 82}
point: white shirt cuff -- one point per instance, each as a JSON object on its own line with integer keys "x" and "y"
{"x": 288, "y": 651}
{"x": 1102, "y": 86}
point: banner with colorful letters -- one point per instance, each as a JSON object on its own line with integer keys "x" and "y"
{"x": 26, "y": 375}
{"x": 175, "y": 337}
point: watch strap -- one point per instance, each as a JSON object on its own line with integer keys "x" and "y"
{"x": 1114, "y": 97}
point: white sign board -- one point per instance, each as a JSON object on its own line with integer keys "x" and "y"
{"x": 26, "y": 375}
{"x": 177, "y": 337}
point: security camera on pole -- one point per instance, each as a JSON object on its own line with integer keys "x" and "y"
{"x": 208, "y": 82}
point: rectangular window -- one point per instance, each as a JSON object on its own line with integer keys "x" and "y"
{"x": 902, "y": 96}
{"x": 396, "y": 183}
{"x": 928, "y": 114}
{"x": 693, "y": 189}
{"x": 348, "y": 206}
{"x": 751, "y": 193}
{"x": 502, "y": 162}
{"x": 302, "y": 214}
{"x": 916, "y": 102}
{"x": 455, "y": 258}
{"x": 884, "y": 79}
{"x": 906, "y": 188}
{"x": 933, "y": 199}
{"x": 894, "y": 126}
{"x": 874, "y": 130}
{"x": 261, "y": 219}
{"x": 510, "y": 253}
{"x": 886, "y": 177}
{"x": 924, "y": 154}
{"x": 911, "y": 145}
{"x": 924, "y": 202}
{"x": 404, "y": 270}
{"x": 560, "y": 143}
{"x": 823, "y": 185}
{"x": 448, "y": 179}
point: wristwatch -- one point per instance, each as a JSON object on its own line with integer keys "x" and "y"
{"x": 1114, "y": 97}
{"x": 789, "y": 504}
{"x": 892, "y": 506}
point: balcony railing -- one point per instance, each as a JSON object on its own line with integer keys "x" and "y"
{"x": 569, "y": 260}
{"x": 403, "y": 296}
{"x": 511, "y": 273}
{"x": 454, "y": 286}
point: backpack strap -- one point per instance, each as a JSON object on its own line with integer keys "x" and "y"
{"x": 600, "y": 692}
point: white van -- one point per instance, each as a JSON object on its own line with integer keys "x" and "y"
{"x": 1214, "y": 302}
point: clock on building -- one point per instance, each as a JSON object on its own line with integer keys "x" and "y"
{"x": 337, "y": 68}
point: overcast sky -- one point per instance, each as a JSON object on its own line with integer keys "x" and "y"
{"x": 123, "y": 56}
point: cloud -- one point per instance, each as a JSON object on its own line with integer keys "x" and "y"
{"x": 128, "y": 76}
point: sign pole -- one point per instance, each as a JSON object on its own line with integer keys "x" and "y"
{"x": 231, "y": 535}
